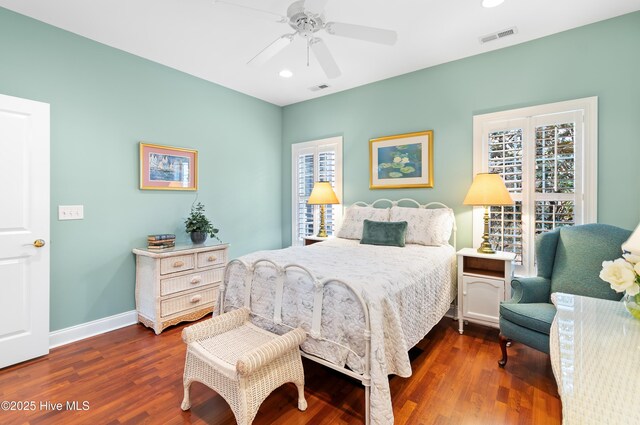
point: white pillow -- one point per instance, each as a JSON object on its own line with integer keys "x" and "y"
{"x": 353, "y": 220}
{"x": 425, "y": 226}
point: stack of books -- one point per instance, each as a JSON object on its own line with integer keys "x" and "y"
{"x": 164, "y": 241}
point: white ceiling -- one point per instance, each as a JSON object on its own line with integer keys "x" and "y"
{"x": 214, "y": 41}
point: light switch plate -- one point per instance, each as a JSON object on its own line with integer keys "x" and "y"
{"x": 70, "y": 212}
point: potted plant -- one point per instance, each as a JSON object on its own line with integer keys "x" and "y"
{"x": 198, "y": 225}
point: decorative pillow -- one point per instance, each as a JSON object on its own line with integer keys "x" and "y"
{"x": 354, "y": 217}
{"x": 387, "y": 233}
{"x": 425, "y": 226}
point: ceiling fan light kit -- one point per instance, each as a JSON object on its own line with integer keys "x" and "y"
{"x": 306, "y": 18}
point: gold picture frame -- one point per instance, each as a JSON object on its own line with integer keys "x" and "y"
{"x": 168, "y": 168}
{"x": 401, "y": 161}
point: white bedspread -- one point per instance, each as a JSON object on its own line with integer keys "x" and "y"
{"x": 408, "y": 291}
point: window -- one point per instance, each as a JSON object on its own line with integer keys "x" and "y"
{"x": 547, "y": 157}
{"x": 319, "y": 160}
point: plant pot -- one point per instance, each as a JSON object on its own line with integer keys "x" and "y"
{"x": 198, "y": 237}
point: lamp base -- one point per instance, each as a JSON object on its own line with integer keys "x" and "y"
{"x": 486, "y": 249}
{"x": 322, "y": 233}
{"x": 485, "y": 246}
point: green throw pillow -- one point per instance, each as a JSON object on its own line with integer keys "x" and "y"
{"x": 389, "y": 233}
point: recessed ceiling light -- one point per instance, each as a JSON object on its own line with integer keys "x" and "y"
{"x": 491, "y": 3}
{"x": 285, "y": 73}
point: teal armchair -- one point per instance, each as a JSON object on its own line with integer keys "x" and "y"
{"x": 569, "y": 260}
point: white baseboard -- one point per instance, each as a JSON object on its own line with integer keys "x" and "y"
{"x": 96, "y": 327}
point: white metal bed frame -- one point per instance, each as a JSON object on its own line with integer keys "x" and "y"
{"x": 315, "y": 332}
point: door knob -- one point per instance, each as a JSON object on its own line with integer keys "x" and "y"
{"x": 38, "y": 243}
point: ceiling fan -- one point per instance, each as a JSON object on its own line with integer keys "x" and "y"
{"x": 307, "y": 19}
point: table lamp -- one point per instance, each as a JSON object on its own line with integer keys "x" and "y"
{"x": 322, "y": 194}
{"x": 487, "y": 190}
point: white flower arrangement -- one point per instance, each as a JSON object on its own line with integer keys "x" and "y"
{"x": 623, "y": 274}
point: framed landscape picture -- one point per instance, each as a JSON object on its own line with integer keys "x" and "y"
{"x": 401, "y": 161}
{"x": 168, "y": 168}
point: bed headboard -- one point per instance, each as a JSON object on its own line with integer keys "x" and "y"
{"x": 415, "y": 204}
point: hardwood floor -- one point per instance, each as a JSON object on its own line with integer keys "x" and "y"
{"x": 132, "y": 376}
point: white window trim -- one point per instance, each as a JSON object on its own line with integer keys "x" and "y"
{"x": 589, "y": 108}
{"x": 315, "y": 146}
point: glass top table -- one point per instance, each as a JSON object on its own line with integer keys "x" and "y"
{"x": 595, "y": 356}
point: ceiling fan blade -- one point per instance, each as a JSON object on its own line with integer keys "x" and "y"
{"x": 374, "y": 35}
{"x": 254, "y": 12}
{"x": 315, "y": 7}
{"x": 322, "y": 53}
{"x": 271, "y": 50}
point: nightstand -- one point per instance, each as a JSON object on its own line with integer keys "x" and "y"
{"x": 483, "y": 281}
{"x": 310, "y": 240}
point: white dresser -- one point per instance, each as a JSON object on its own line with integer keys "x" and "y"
{"x": 179, "y": 284}
{"x": 595, "y": 351}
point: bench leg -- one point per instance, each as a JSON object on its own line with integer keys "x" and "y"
{"x": 186, "y": 403}
{"x": 302, "y": 403}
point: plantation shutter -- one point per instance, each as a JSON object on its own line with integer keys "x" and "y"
{"x": 327, "y": 173}
{"x": 304, "y": 217}
{"x": 315, "y": 161}
{"x": 505, "y": 157}
{"x": 557, "y": 171}
{"x": 541, "y": 160}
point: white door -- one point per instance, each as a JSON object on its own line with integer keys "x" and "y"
{"x": 24, "y": 225}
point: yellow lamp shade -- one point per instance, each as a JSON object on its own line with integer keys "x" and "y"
{"x": 322, "y": 194}
{"x": 488, "y": 189}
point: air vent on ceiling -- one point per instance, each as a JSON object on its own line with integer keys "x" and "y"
{"x": 319, "y": 87}
{"x": 499, "y": 34}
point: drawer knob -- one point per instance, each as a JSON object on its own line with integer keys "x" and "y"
{"x": 196, "y": 299}
{"x": 178, "y": 264}
{"x": 212, "y": 258}
{"x": 196, "y": 279}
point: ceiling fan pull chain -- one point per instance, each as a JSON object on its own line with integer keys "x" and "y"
{"x": 308, "y": 44}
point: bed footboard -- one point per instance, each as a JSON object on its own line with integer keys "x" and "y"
{"x": 314, "y": 331}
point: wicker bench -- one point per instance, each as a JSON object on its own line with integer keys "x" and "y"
{"x": 242, "y": 362}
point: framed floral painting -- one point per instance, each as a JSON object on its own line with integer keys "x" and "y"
{"x": 168, "y": 168}
{"x": 401, "y": 161}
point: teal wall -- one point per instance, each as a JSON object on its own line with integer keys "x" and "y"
{"x": 601, "y": 60}
{"x": 103, "y": 102}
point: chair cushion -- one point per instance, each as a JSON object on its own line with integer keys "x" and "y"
{"x": 536, "y": 316}
{"x": 579, "y": 256}
{"x": 526, "y": 336}
{"x": 223, "y": 350}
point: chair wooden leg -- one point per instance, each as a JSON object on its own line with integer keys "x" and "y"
{"x": 503, "y": 347}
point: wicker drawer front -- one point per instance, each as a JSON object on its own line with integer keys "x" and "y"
{"x": 176, "y": 264}
{"x": 187, "y": 302}
{"x": 212, "y": 258}
{"x": 190, "y": 281}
